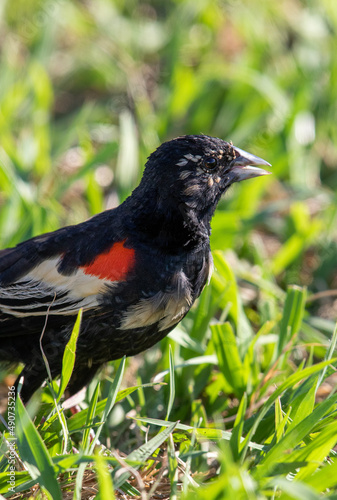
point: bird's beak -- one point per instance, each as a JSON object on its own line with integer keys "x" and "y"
{"x": 244, "y": 166}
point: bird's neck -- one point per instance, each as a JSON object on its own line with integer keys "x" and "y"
{"x": 169, "y": 224}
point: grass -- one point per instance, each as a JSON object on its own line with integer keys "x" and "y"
{"x": 239, "y": 401}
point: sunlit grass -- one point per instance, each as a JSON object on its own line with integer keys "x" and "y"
{"x": 87, "y": 92}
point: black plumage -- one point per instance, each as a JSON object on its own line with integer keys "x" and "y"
{"x": 135, "y": 270}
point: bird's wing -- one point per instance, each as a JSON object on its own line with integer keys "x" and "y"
{"x": 32, "y": 283}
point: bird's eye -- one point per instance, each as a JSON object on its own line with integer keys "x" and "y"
{"x": 210, "y": 162}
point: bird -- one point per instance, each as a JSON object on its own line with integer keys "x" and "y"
{"x": 134, "y": 270}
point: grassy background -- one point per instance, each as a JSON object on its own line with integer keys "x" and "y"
{"x": 87, "y": 91}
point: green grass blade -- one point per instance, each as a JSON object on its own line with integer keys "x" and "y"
{"x": 290, "y": 382}
{"x": 293, "y": 490}
{"x": 315, "y": 452}
{"x": 78, "y": 421}
{"x": 110, "y": 401}
{"x": 106, "y": 490}
{"x": 227, "y": 351}
{"x": 173, "y": 468}
{"x": 34, "y": 452}
{"x": 293, "y": 438}
{"x": 236, "y": 437}
{"x": 282, "y": 421}
{"x": 69, "y": 356}
{"x": 64, "y": 462}
{"x": 89, "y": 419}
{"x": 143, "y": 452}
{"x": 172, "y": 385}
{"x": 292, "y": 316}
{"x": 204, "y": 433}
{"x": 23, "y": 481}
{"x": 90, "y": 413}
{"x": 324, "y": 478}
{"x": 198, "y": 360}
{"x": 329, "y": 354}
{"x": 305, "y": 407}
{"x": 182, "y": 338}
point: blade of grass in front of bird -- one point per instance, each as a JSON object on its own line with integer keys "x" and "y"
{"x": 68, "y": 363}
{"x": 34, "y": 452}
{"x": 89, "y": 419}
{"x": 172, "y": 384}
{"x": 69, "y": 356}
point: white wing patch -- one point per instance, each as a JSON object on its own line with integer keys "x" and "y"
{"x": 44, "y": 288}
{"x": 78, "y": 284}
{"x": 167, "y": 308}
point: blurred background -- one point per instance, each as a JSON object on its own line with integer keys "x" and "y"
{"x": 88, "y": 89}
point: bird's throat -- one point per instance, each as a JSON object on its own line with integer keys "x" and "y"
{"x": 175, "y": 229}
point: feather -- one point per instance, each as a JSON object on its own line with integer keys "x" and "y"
{"x": 44, "y": 287}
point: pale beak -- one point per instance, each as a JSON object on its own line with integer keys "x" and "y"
{"x": 244, "y": 166}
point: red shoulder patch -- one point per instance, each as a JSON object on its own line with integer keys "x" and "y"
{"x": 114, "y": 264}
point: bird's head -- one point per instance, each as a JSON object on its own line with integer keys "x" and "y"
{"x": 190, "y": 173}
{"x": 198, "y": 169}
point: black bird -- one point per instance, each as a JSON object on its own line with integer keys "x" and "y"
{"x": 135, "y": 270}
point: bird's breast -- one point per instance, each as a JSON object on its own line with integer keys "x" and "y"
{"x": 173, "y": 296}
